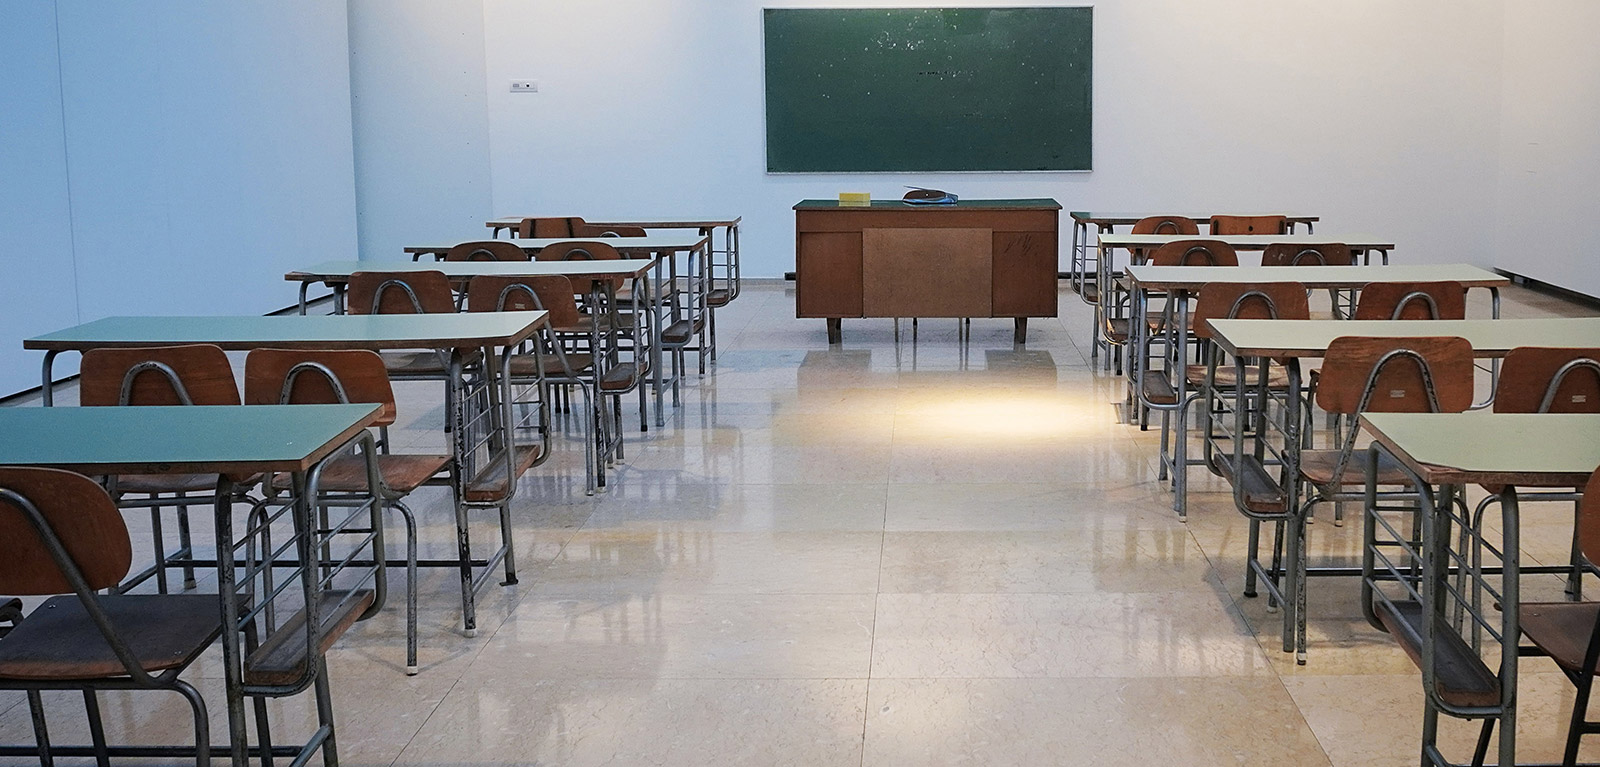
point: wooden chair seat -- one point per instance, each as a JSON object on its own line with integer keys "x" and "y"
{"x": 1560, "y": 629}
{"x": 492, "y": 485}
{"x": 1228, "y": 376}
{"x": 1461, "y": 678}
{"x": 624, "y": 376}
{"x": 281, "y": 659}
{"x": 680, "y": 332}
{"x": 401, "y": 473}
{"x": 166, "y": 483}
{"x": 1116, "y": 330}
{"x": 164, "y": 631}
{"x": 522, "y": 364}
{"x": 1317, "y": 467}
{"x": 413, "y": 363}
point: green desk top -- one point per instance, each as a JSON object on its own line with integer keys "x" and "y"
{"x": 1246, "y": 241}
{"x": 194, "y": 439}
{"x": 328, "y": 331}
{"x": 1489, "y": 338}
{"x": 1558, "y": 450}
{"x": 462, "y": 271}
{"x": 1126, "y": 219}
{"x": 1191, "y": 277}
{"x": 1029, "y": 203}
{"x": 646, "y": 245}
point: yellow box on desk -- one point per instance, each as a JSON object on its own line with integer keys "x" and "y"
{"x": 855, "y": 199}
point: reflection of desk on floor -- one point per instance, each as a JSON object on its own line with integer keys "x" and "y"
{"x": 977, "y": 258}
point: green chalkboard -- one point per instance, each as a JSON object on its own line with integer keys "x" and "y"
{"x": 924, "y": 89}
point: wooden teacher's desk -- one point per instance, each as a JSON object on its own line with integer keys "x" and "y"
{"x": 976, "y": 258}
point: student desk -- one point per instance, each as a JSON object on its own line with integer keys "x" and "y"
{"x": 293, "y": 439}
{"x": 336, "y": 275}
{"x": 1106, "y": 223}
{"x": 1182, "y": 283}
{"x": 707, "y": 226}
{"x": 690, "y": 289}
{"x": 1251, "y": 342}
{"x": 488, "y": 457}
{"x": 1442, "y": 453}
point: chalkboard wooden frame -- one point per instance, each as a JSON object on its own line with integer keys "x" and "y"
{"x": 897, "y": 90}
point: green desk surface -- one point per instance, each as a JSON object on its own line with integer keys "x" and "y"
{"x": 1246, "y": 241}
{"x": 646, "y": 245}
{"x": 462, "y": 271}
{"x": 679, "y": 222}
{"x": 1489, "y": 338}
{"x": 1030, "y": 203}
{"x": 1191, "y": 277}
{"x": 1558, "y": 450}
{"x": 1128, "y": 219}
{"x": 327, "y": 331}
{"x": 194, "y": 439}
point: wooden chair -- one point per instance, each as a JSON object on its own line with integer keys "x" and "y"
{"x": 305, "y": 377}
{"x": 1112, "y": 331}
{"x": 1295, "y": 254}
{"x": 1198, "y": 252}
{"x": 610, "y": 230}
{"x": 621, "y": 377}
{"x": 65, "y": 537}
{"x": 1412, "y": 301}
{"x": 1226, "y": 225}
{"x": 1210, "y": 383}
{"x": 1569, "y": 632}
{"x": 1165, "y": 225}
{"x": 1548, "y": 380}
{"x": 1363, "y": 375}
{"x": 164, "y": 375}
{"x": 568, "y": 354}
{"x": 420, "y": 292}
{"x": 548, "y": 226}
{"x": 487, "y": 250}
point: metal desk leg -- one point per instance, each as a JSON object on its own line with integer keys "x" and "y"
{"x": 47, "y": 388}
{"x": 232, "y": 653}
{"x": 655, "y": 341}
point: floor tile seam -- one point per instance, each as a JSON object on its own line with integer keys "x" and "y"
{"x": 432, "y": 711}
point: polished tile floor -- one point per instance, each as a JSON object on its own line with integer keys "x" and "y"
{"x": 912, "y": 553}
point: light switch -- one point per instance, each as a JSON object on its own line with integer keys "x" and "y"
{"x": 524, "y": 86}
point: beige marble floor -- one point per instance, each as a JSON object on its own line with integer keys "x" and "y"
{"x": 879, "y": 554}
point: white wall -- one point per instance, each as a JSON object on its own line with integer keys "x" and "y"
{"x": 1548, "y": 202}
{"x": 39, "y": 287}
{"x": 203, "y": 149}
{"x": 1379, "y": 116}
{"x": 421, "y": 122}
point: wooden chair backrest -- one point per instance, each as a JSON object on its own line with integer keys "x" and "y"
{"x": 360, "y": 375}
{"x": 552, "y": 293}
{"x": 1249, "y": 225}
{"x": 1195, "y": 253}
{"x": 155, "y": 375}
{"x": 1589, "y": 518}
{"x": 486, "y": 250}
{"x": 393, "y": 293}
{"x": 593, "y": 230}
{"x": 1528, "y": 375}
{"x": 579, "y": 250}
{"x": 1400, "y": 386}
{"x": 81, "y": 516}
{"x": 549, "y": 226}
{"x": 1165, "y": 225}
{"x": 1292, "y": 254}
{"x": 1412, "y": 301}
{"x": 1249, "y": 301}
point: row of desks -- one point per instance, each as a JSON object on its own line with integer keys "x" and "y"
{"x": 1439, "y": 451}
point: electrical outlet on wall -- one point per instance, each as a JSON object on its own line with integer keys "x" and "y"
{"x": 524, "y": 86}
